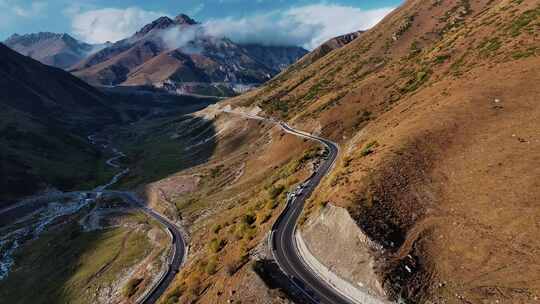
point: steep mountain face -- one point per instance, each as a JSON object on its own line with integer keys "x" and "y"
{"x": 177, "y": 55}
{"x": 436, "y": 111}
{"x": 46, "y": 114}
{"x": 59, "y": 50}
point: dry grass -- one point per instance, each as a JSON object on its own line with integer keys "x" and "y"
{"x": 451, "y": 91}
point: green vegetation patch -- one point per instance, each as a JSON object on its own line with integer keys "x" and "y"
{"x": 440, "y": 59}
{"x": 369, "y": 148}
{"x": 216, "y": 245}
{"x": 523, "y": 20}
{"x": 488, "y": 46}
{"x": 417, "y": 81}
{"x": 533, "y": 51}
{"x": 316, "y": 89}
{"x": 70, "y": 266}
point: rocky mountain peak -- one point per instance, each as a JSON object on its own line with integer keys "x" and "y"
{"x": 158, "y": 24}
{"x": 183, "y": 19}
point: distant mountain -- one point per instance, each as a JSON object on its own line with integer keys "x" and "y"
{"x": 59, "y": 50}
{"x": 177, "y": 55}
{"x": 329, "y": 46}
{"x": 45, "y": 115}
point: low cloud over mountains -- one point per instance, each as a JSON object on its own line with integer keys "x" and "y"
{"x": 307, "y": 26}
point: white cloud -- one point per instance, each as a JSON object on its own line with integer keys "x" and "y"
{"x": 335, "y": 20}
{"x": 34, "y": 9}
{"x": 309, "y": 25}
{"x": 110, "y": 24}
{"x": 181, "y": 37}
{"x": 13, "y": 11}
{"x": 268, "y": 29}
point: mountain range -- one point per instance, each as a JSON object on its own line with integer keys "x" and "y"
{"x": 46, "y": 115}
{"x": 174, "y": 54}
{"x": 59, "y": 50}
{"x": 432, "y": 198}
{"x": 177, "y": 54}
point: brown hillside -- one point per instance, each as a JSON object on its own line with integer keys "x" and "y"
{"x": 204, "y": 65}
{"x": 327, "y": 47}
{"x": 436, "y": 109}
{"x": 229, "y": 191}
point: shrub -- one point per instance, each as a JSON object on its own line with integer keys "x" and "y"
{"x": 131, "y": 287}
{"x": 211, "y": 267}
{"x": 245, "y": 231}
{"x": 275, "y": 191}
{"x": 216, "y": 171}
{"x": 414, "y": 83}
{"x": 441, "y": 59}
{"x": 524, "y": 54}
{"x": 347, "y": 161}
{"x": 249, "y": 219}
{"x": 216, "y": 245}
{"x": 523, "y": 20}
{"x": 369, "y": 148}
{"x": 322, "y": 204}
{"x": 271, "y": 204}
{"x": 489, "y": 46}
{"x": 216, "y": 228}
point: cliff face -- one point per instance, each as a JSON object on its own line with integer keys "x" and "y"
{"x": 435, "y": 111}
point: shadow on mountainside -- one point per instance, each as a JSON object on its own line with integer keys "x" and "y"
{"x": 69, "y": 265}
{"x": 162, "y": 146}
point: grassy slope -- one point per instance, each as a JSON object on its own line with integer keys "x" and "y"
{"x": 46, "y": 114}
{"x": 435, "y": 108}
{"x": 34, "y": 155}
{"x": 157, "y": 147}
{"x": 227, "y": 191}
{"x": 67, "y": 265}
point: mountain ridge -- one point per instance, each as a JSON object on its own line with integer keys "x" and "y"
{"x": 56, "y": 49}
{"x": 226, "y": 66}
{"x": 428, "y": 107}
{"x": 46, "y": 115}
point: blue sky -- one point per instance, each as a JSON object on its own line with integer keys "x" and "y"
{"x": 99, "y": 20}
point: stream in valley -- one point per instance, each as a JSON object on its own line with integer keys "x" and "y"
{"x": 34, "y": 215}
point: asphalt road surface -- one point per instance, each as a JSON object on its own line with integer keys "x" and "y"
{"x": 283, "y": 234}
{"x": 178, "y": 255}
{"x": 283, "y": 241}
{"x": 178, "y": 243}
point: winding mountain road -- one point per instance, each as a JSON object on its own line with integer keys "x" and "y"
{"x": 283, "y": 240}
{"x": 282, "y": 237}
{"x": 179, "y": 252}
{"x": 178, "y": 249}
